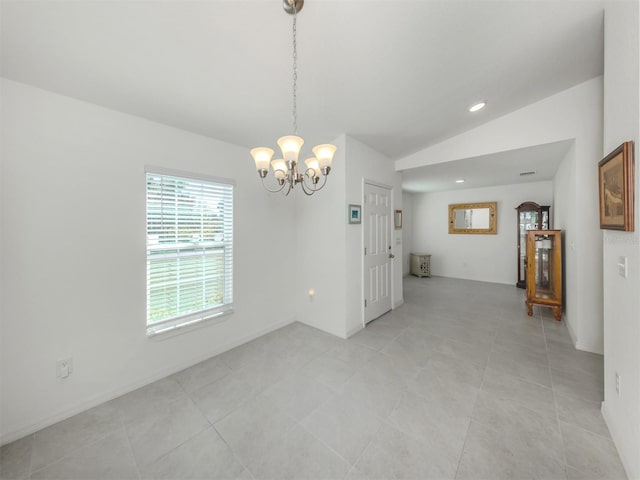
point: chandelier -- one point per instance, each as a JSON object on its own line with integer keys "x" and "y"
{"x": 285, "y": 169}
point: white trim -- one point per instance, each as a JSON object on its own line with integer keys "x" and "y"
{"x": 184, "y": 324}
{"x": 572, "y": 334}
{"x": 363, "y": 313}
{"x": 99, "y": 399}
{"x": 325, "y": 330}
{"x": 586, "y": 348}
{"x": 354, "y": 330}
{"x": 377, "y": 184}
{"x": 186, "y": 174}
{"x": 615, "y": 435}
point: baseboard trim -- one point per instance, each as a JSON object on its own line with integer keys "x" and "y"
{"x": 49, "y": 420}
{"x": 572, "y": 334}
{"x": 615, "y": 436}
{"x": 354, "y": 330}
{"x": 325, "y": 330}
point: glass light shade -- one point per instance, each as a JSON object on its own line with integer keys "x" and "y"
{"x": 262, "y": 157}
{"x": 324, "y": 153}
{"x": 313, "y": 164}
{"x": 279, "y": 164}
{"x": 290, "y": 146}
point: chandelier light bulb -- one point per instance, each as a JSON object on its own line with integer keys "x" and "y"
{"x": 290, "y": 146}
{"x": 312, "y": 163}
{"x": 279, "y": 165}
{"x": 262, "y": 157}
{"x": 324, "y": 153}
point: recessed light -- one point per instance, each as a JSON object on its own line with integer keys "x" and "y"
{"x": 477, "y": 107}
{"x": 460, "y": 181}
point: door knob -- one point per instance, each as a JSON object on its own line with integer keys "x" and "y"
{"x": 391, "y": 255}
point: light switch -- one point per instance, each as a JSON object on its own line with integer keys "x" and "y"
{"x": 622, "y": 267}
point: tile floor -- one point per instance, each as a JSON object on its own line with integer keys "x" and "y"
{"x": 457, "y": 383}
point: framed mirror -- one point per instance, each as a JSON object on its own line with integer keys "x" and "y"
{"x": 473, "y": 218}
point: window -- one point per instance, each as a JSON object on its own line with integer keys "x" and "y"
{"x": 189, "y": 250}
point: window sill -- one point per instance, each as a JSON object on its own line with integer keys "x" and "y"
{"x": 162, "y": 332}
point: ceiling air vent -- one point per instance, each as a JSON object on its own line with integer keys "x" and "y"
{"x": 524, "y": 174}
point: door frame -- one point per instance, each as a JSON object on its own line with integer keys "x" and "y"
{"x": 366, "y": 181}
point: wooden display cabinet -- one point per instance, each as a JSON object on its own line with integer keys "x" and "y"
{"x": 531, "y": 216}
{"x": 544, "y": 270}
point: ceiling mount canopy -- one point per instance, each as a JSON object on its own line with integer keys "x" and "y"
{"x": 292, "y": 6}
{"x": 285, "y": 169}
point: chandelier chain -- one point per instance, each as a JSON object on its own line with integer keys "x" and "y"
{"x": 288, "y": 172}
{"x": 295, "y": 71}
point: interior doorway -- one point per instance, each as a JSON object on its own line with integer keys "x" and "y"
{"x": 377, "y": 227}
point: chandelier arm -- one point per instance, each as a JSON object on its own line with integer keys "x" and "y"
{"x": 287, "y": 191}
{"x": 307, "y": 181}
{"x": 313, "y": 188}
{"x": 324, "y": 182}
{"x": 304, "y": 189}
{"x": 270, "y": 190}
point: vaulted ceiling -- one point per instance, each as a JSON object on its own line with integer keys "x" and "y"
{"x": 397, "y": 75}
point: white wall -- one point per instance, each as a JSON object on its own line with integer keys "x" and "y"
{"x": 329, "y": 256}
{"x": 488, "y": 258}
{"x": 621, "y": 296}
{"x": 575, "y": 114}
{"x": 73, "y": 254}
{"x": 364, "y": 163}
{"x": 407, "y": 231}
{"x": 320, "y": 253}
{"x": 564, "y": 217}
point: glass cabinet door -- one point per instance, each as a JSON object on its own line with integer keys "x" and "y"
{"x": 544, "y": 270}
{"x": 531, "y": 216}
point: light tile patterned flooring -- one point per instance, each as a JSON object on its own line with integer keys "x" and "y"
{"x": 457, "y": 383}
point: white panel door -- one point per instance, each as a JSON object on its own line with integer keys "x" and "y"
{"x": 376, "y": 218}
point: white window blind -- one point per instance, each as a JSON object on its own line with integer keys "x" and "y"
{"x": 189, "y": 250}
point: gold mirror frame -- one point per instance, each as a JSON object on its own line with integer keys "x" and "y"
{"x": 493, "y": 210}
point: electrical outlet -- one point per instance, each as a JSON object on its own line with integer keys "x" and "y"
{"x": 64, "y": 368}
{"x": 618, "y": 384}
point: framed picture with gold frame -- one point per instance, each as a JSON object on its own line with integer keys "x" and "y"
{"x": 616, "y": 189}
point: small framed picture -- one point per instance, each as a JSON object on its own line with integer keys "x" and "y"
{"x": 355, "y": 212}
{"x": 615, "y": 174}
{"x": 397, "y": 219}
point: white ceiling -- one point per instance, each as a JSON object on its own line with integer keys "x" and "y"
{"x": 502, "y": 168}
{"x": 398, "y": 75}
